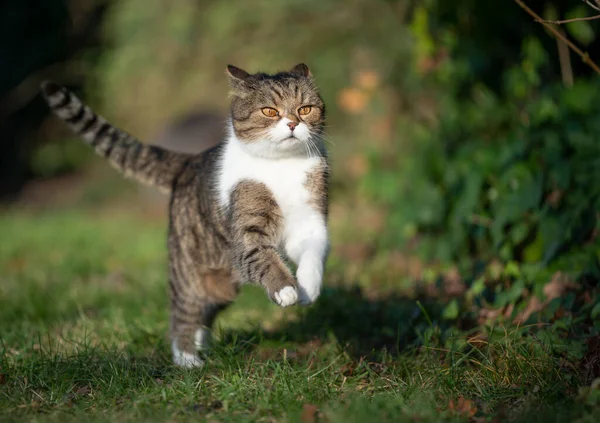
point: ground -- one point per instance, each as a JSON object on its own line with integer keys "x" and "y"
{"x": 83, "y": 336}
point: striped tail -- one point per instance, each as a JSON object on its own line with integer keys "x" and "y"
{"x": 146, "y": 163}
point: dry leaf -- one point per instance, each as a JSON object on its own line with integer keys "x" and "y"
{"x": 462, "y": 407}
{"x": 554, "y": 197}
{"x": 533, "y": 306}
{"x": 309, "y": 413}
{"x": 557, "y": 286}
{"x": 83, "y": 390}
{"x": 454, "y": 286}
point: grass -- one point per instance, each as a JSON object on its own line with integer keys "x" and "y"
{"x": 83, "y": 336}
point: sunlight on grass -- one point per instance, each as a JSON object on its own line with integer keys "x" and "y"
{"x": 84, "y": 325}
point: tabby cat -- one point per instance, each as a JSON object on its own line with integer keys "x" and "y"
{"x": 235, "y": 209}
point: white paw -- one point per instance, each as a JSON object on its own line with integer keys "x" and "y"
{"x": 286, "y": 296}
{"x": 310, "y": 282}
{"x": 185, "y": 359}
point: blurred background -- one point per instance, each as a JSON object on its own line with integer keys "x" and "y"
{"x": 465, "y": 139}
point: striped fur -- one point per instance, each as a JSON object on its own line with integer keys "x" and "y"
{"x": 148, "y": 164}
{"x": 238, "y": 210}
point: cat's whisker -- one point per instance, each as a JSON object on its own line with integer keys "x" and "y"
{"x": 327, "y": 137}
{"x": 316, "y": 149}
{"x": 306, "y": 149}
{"x": 313, "y": 146}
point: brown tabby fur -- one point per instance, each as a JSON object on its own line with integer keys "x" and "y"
{"x": 211, "y": 250}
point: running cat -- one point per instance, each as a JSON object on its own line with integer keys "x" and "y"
{"x": 237, "y": 209}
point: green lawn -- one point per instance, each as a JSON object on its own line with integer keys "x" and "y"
{"x": 83, "y": 336}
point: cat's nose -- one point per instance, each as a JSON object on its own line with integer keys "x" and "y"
{"x": 292, "y": 125}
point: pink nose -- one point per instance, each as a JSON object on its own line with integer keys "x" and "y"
{"x": 292, "y": 125}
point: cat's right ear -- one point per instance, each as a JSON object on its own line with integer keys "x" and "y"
{"x": 237, "y": 73}
{"x": 238, "y": 81}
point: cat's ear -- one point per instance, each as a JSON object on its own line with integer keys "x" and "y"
{"x": 301, "y": 69}
{"x": 235, "y": 73}
{"x": 238, "y": 81}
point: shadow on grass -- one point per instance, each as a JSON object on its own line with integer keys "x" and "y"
{"x": 361, "y": 326}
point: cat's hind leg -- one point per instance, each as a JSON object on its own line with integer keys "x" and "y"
{"x": 194, "y": 307}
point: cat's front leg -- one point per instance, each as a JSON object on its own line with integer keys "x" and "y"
{"x": 308, "y": 248}
{"x": 310, "y": 277}
{"x": 256, "y": 224}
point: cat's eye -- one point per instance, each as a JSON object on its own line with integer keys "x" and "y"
{"x": 304, "y": 110}
{"x": 269, "y": 111}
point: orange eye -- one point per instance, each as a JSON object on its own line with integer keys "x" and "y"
{"x": 304, "y": 110}
{"x": 270, "y": 112}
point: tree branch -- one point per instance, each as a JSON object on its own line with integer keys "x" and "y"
{"x": 593, "y": 6}
{"x": 584, "y": 56}
{"x": 588, "y": 18}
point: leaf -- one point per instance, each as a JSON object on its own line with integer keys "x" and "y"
{"x": 515, "y": 291}
{"x": 512, "y": 269}
{"x": 557, "y": 286}
{"x": 462, "y": 407}
{"x": 451, "y": 310}
{"x": 595, "y": 313}
{"x": 533, "y": 252}
{"x": 582, "y": 31}
{"x": 477, "y": 287}
{"x": 309, "y": 413}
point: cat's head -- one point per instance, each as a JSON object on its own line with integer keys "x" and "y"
{"x": 277, "y": 115}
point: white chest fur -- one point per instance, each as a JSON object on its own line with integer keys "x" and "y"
{"x": 304, "y": 237}
{"x": 285, "y": 178}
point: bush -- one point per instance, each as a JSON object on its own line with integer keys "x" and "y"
{"x": 505, "y": 181}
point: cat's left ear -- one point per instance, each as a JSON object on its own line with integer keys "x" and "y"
{"x": 302, "y": 70}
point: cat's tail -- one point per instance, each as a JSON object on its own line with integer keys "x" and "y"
{"x": 146, "y": 163}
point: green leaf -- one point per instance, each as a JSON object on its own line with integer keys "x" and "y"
{"x": 476, "y": 288}
{"x": 582, "y": 31}
{"x": 451, "y": 310}
{"x": 512, "y": 269}
{"x": 533, "y": 252}
{"x": 595, "y": 313}
{"x": 515, "y": 291}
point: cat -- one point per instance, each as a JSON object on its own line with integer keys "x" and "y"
{"x": 237, "y": 209}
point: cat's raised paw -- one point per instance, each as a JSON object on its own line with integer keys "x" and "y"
{"x": 310, "y": 282}
{"x": 308, "y": 296}
{"x": 287, "y": 296}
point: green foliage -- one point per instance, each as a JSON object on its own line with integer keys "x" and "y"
{"x": 167, "y": 57}
{"x": 507, "y": 173}
{"x": 60, "y": 157}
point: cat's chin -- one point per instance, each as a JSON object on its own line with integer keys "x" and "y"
{"x": 282, "y": 149}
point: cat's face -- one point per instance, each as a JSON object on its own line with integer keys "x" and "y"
{"x": 277, "y": 115}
